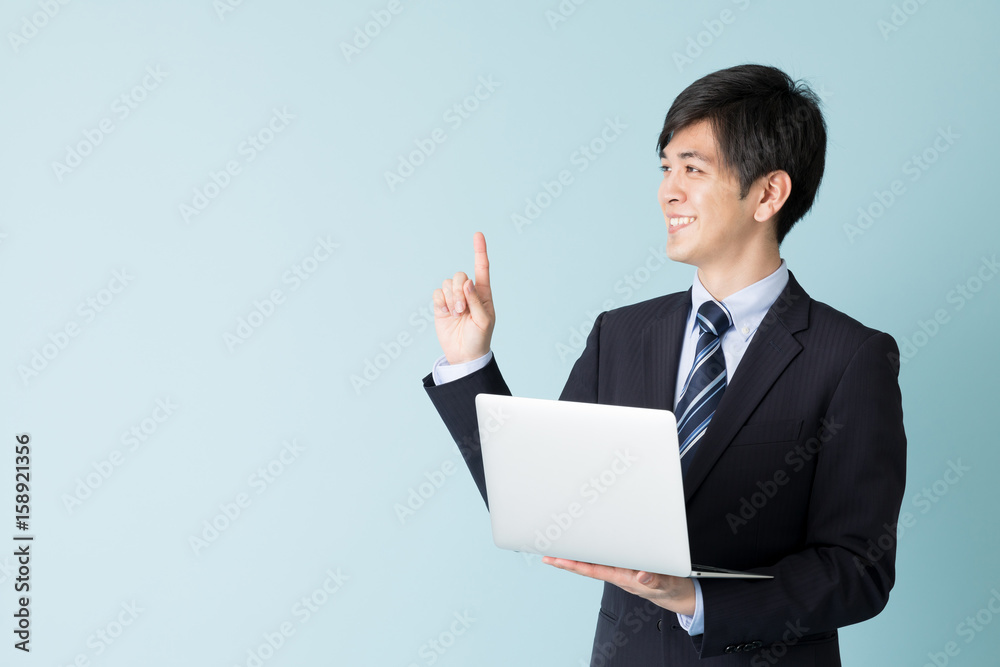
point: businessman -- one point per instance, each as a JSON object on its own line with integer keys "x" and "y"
{"x": 789, "y": 412}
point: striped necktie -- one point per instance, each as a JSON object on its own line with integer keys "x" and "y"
{"x": 705, "y": 383}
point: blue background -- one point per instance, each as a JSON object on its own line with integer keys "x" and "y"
{"x": 893, "y": 77}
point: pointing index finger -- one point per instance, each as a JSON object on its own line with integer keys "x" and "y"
{"x": 482, "y": 260}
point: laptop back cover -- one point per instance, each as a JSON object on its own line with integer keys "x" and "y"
{"x": 584, "y": 481}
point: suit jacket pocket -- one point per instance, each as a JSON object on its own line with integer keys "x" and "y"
{"x": 607, "y": 616}
{"x": 758, "y": 433}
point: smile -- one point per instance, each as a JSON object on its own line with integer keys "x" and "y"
{"x": 679, "y": 222}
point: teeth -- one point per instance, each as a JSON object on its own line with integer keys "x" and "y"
{"x": 680, "y": 221}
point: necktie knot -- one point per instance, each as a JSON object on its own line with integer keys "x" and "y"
{"x": 713, "y": 319}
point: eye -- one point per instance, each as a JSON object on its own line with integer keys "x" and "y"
{"x": 693, "y": 169}
{"x": 664, "y": 168}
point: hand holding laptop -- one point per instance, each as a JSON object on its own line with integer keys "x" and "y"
{"x": 675, "y": 594}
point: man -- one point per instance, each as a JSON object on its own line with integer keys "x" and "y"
{"x": 789, "y": 412}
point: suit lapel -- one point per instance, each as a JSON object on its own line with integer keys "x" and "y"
{"x": 773, "y": 347}
{"x": 661, "y": 345}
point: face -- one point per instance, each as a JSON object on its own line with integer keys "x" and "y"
{"x": 708, "y": 225}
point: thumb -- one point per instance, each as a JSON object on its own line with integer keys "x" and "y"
{"x": 476, "y": 308}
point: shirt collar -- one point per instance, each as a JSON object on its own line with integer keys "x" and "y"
{"x": 748, "y": 306}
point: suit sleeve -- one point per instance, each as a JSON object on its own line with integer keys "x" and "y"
{"x": 456, "y": 401}
{"x": 456, "y": 404}
{"x": 582, "y": 385}
{"x": 845, "y": 570}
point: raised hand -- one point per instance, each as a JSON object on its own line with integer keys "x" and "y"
{"x": 463, "y": 310}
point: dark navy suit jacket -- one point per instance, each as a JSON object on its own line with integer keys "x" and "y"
{"x": 800, "y": 475}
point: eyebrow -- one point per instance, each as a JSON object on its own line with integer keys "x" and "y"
{"x": 687, "y": 155}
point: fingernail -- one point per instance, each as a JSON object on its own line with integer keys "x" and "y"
{"x": 645, "y": 578}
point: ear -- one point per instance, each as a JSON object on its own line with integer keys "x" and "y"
{"x": 774, "y": 190}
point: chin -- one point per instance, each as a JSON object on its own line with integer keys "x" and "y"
{"x": 677, "y": 254}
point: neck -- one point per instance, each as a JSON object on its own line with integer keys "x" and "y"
{"x": 722, "y": 281}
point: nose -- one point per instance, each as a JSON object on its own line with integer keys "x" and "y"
{"x": 670, "y": 191}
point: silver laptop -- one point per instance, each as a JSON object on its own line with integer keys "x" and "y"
{"x": 588, "y": 482}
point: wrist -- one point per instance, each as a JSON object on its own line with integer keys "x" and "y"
{"x": 466, "y": 358}
{"x": 684, "y": 599}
